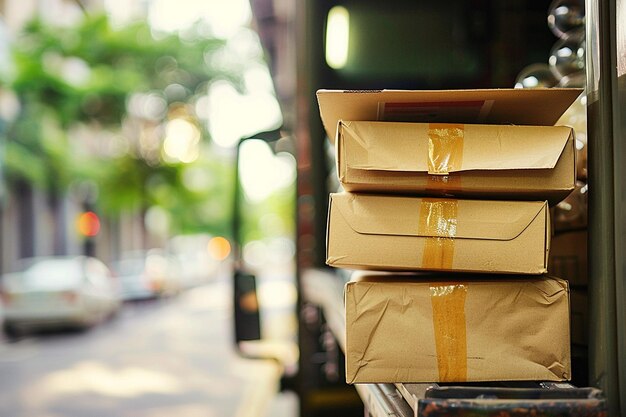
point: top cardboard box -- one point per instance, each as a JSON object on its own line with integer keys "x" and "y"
{"x": 446, "y": 159}
{"x": 527, "y": 161}
{"x": 538, "y": 107}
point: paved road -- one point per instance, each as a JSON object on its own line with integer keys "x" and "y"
{"x": 158, "y": 359}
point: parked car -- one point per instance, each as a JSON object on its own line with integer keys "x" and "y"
{"x": 147, "y": 274}
{"x": 58, "y": 292}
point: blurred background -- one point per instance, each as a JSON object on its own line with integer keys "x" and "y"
{"x": 120, "y": 124}
{"x": 164, "y": 184}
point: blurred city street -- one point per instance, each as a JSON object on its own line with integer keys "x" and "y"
{"x": 163, "y": 357}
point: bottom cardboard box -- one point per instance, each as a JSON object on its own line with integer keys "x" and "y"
{"x": 409, "y": 328}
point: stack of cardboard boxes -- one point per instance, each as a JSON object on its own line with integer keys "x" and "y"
{"x": 446, "y": 215}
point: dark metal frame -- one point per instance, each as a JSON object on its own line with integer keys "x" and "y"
{"x": 606, "y": 111}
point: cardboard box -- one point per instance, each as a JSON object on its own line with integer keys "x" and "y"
{"x": 568, "y": 257}
{"x": 441, "y": 159}
{"x": 512, "y": 106}
{"x": 396, "y": 233}
{"x": 400, "y": 329}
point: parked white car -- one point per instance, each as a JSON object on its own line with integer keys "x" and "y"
{"x": 58, "y": 292}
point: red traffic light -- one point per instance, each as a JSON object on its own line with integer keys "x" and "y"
{"x": 88, "y": 224}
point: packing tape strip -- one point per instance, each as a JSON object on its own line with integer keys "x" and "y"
{"x": 443, "y": 184}
{"x": 438, "y": 220}
{"x": 445, "y": 147}
{"x": 448, "y": 303}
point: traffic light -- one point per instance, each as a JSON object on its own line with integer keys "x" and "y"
{"x": 88, "y": 224}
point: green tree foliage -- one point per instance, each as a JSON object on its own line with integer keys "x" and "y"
{"x": 68, "y": 78}
{"x": 116, "y": 62}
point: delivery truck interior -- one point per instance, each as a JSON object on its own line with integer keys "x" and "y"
{"x": 398, "y": 44}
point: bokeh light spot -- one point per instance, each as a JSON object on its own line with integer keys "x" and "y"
{"x": 219, "y": 248}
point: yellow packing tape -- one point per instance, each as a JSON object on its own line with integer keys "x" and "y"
{"x": 448, "y": 302}
{"x": 438, "y": 219}
{"x": 444, "y": 184}
{"x": 445, "y": 147}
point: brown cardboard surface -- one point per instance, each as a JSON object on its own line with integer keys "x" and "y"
{"x": 505, "y": 329}
{"x": 541, "y": 107}
{"x": 518, "y": 162}
{"x": 396, "y": 233}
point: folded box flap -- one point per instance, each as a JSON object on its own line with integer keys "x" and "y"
{"x": 402, "y": 216}
{"x": 540, "y": 106}
{"x": 404, "y": 147}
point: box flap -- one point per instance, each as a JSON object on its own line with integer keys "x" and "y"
{"x": 541, "y": 106}
{"x": 404, "y": 147}
{"x": 405, "y": 216}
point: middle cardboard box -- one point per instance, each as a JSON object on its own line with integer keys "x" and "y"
{"x": 399, "y": 233}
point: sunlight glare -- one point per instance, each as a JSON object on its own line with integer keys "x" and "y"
{"x": 122, "y": 11}
{"x": 182, "y": 140}
{"x": 262, "y": 172}
{"x": 233, "y": 116}
{"x": 277, "y": 294}
{"x": 258, "y": 80}
{"x": 246, "y": 45}
{"x": 286, "y": 167}
{"x": 224, "y": 17}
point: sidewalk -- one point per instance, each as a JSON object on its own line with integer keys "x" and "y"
{"x": 257, "y": 380}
